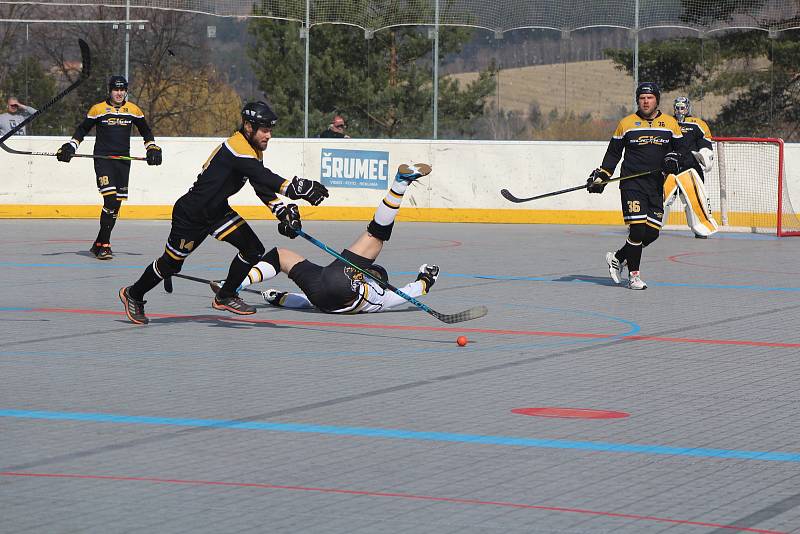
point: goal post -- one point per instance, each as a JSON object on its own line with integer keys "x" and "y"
{"x": 747, "y": 188}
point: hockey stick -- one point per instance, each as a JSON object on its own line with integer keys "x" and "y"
{"x": 202, "y": 281}
{"x": 508, "y": 196}
{"x": 93, "y": 156}
{"x": 86, "y": 69}
{"x": 466, "y": 315}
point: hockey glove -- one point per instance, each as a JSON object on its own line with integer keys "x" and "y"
{"x": 705, "y": 158}
{"x": 153, "y": 154}
{"x": 289, "y": 217}
{"x": 310, "y": 191}
{"x": 671, "y": 163}
{"x": 428, "y": 275}
{"x": 594, "y": 184}
{"x": 66, "y": 152}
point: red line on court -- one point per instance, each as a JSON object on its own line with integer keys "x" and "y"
{"x": 409, "y": 496}
{"x": 679, "y": 258}
{"x": 544, "y": 333}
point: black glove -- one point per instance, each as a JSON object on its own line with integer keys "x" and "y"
{"x": 153, "y": 154}
{"x": 66, "y": 152}
{"x": 310, "y": 191}
{"x": 671, "y": 163}
{"x": 289, "y": 217}
{"x": 594, "y": 184}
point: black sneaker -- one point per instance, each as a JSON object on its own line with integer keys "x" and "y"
{"x": 134, "y": 309}
{"x": 95, "y": 248}
{"x": 104, "y": 252}
{"x": 233, "y": 304}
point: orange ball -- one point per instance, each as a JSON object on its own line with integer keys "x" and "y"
{"x": 462, "y": 341}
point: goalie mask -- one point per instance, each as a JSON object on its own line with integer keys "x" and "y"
{"x": 682, "y": 108}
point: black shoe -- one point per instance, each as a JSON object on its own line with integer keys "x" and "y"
{"x": 134, "y": 309}
{"x": 233, "y": 304}
{"x": 216, "y": 285}
{"x": 102, "y": 251}
{"x": 698, "y": 236}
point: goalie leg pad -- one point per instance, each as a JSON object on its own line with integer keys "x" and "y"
{"x": 693, "y": 195}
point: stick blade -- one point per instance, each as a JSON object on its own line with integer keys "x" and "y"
{"x": 86, "y": 59}
{"x": 508, "y": 196}
{"x": 460, "y": 317}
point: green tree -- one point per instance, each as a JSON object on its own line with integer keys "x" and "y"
{"x": 759, "y": 74}
{"x": 383, "y": 85}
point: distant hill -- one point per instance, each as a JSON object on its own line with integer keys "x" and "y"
{"x": 593, "y": 87}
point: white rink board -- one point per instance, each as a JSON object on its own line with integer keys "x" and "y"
{"x": 467, "y": 174}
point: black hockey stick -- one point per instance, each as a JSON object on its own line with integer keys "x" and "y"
{"x": 202, "y": 281}
{"x": 466, "y": 315}
{"x": 93, "y": 156}
{"x": 86, "y": 69}
{"x": 508, "y": 196}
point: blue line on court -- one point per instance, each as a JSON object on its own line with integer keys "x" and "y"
{"x": 392, "y": 433}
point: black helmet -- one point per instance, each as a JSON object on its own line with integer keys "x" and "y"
{"x": 648, "y": 88}
{"x": 259, "y": 114}
{"x": 117, "y": 82}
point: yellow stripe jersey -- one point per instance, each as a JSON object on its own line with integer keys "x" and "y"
{"x": 645, "y": 143}
{"x": 229, "y": 166}
{"x": 113, "y": 128}
{"x": 696, "y": 132}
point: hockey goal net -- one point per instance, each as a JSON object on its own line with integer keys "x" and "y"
{"x": 747, "y": 188}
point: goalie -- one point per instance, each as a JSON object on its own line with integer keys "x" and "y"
{"x": 689, "y": 185}
{"x": 337, "y": 287}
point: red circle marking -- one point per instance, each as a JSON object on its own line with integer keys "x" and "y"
{"x": 570, "y": 413}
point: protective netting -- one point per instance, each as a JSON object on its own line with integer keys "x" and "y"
{"x": 747, "y": 189}
{"x": 498, "y": 16}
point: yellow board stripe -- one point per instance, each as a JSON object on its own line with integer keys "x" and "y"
{"x": 345, "y": 213}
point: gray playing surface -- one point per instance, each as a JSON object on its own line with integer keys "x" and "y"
{"x": 291, "y": 421}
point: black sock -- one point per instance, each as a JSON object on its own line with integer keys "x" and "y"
{"x": 145, "y": 283}
{"x": 236, "y": 274}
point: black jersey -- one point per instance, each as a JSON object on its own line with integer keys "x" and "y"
{"x": 229, "y": 166}
{"x": 697, "y": 133}
{"x": 113, "y": 128}
{"x": 645, "y": 142}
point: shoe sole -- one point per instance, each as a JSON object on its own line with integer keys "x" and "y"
{"x": 422, "y": 169}
{"x": 104, "y": 258}
{"x": 223, "y": 307}
{"x": 124, "y": 301}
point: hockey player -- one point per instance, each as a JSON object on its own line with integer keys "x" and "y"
{"x": 695, "y": 200}
{"x": 204, "y": 211}
{"x": 112, "y": 119}
{"x": 337, "y": 287}
{"x": 652, "y": 142}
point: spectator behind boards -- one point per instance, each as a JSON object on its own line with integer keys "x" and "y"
{"x": 336, "y": 129}
{"x": 15, "y": 114}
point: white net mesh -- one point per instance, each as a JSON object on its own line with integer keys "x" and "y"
{"x": 498, "y": 16}
{"x": 746, "y": 188}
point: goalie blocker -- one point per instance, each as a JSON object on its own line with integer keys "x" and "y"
{"x": 692, "y": 192}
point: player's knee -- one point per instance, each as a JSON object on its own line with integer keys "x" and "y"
{"x": 273, "y": 258}
{"x": 166, "y": 266}
{"x": 636, "y": 233}
{"x": 252, "y": 254}
{"x": 650, "y": 235}
{"x": 380, "y": 231}
{"x": 111, "y": 205}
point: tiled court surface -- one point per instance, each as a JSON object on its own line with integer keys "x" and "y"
{"x": 305, "y": 422}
